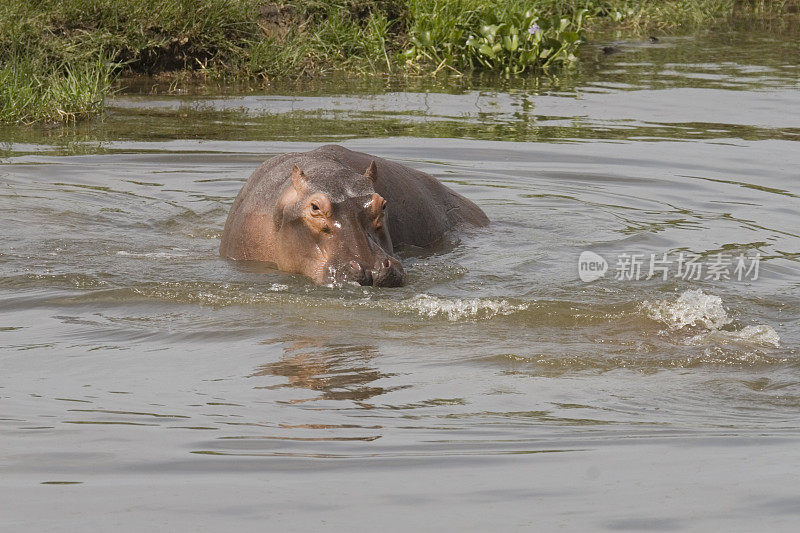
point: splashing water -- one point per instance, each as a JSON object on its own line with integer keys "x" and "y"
{"x": 694, "y": 308}
{"x": 460, "y": 308}
{"x": 760, "y": 335}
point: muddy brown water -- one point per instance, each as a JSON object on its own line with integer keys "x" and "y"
{"x": 148, "y": 384}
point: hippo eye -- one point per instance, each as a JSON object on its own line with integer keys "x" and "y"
{"x": 383, "y": 207}
{"x": 318, "y": 207}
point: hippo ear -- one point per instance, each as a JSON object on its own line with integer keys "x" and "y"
{"x": 372, "y": 172}
{"x": 299, "y": 179}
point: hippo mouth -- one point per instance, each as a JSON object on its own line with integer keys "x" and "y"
{"x": 387, "y": 272}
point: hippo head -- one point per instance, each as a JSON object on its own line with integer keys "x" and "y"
{"x": 332, "y": 227}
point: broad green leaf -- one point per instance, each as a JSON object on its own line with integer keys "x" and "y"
{"x": 486, "y": 50}
{"x": 489, "y": 31}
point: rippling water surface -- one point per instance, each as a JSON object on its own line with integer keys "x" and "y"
{"x": 146, "y": 382}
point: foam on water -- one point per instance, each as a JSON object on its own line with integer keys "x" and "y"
{"x": 760, "y": 335}
{"x": 223, "y": 295}
{"x": 694, "y": 308}
{"x": 213, "y": 295}
{"x": 149, "y": 255}
{"x": 459, "y": 308}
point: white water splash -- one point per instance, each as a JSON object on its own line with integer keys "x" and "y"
{"x": 694, "y": 308}
{"x": 760, "y": 335}
{"x": 151, "y": 255}
{"x": 459, "y": 308}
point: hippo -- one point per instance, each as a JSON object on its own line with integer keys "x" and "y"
{"x": 335, "y": 215}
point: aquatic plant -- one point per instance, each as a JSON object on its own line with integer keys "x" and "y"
{"x": 525, "y": 40}
{"x": 506, "y": 37}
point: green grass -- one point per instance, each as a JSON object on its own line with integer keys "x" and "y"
{"x": 319, "y": 38}
{"x": 58, "y": 57}
{"x": 148, "y": 35}
{"x": 33, "y": 91}
{"x": 671, "y": 15}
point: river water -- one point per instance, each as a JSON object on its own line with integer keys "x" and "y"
{"x": 147, "y": 383}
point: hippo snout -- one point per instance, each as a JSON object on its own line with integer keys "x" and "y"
{"x": 387, "y": 272}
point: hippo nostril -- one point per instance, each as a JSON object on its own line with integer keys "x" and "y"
{"x": 355, "y": 265}
{"x": 387, "y": 263}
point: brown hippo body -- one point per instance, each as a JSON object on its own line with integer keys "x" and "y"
{"x": 337, "y": 215}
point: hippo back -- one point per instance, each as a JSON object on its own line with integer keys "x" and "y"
{"x": 421, "y": 209}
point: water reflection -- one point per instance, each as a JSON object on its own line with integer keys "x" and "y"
{"x": 338, "y": 371}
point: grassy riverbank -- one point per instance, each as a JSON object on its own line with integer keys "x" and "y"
{"x": 58, "y": 58}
